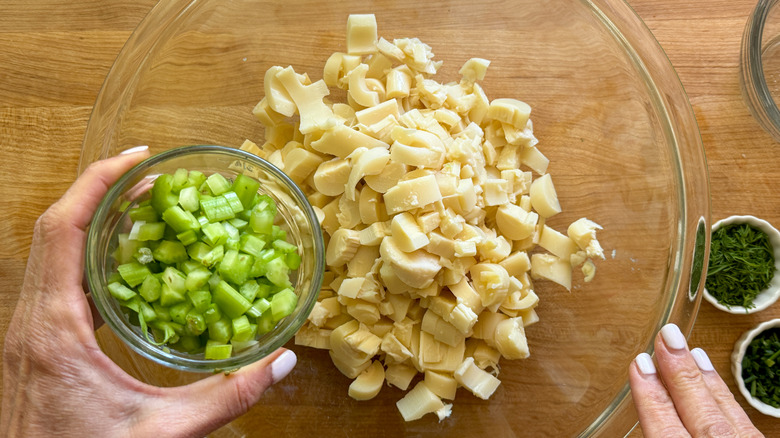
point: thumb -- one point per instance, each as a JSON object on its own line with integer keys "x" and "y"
{"x": 201, "y": 407}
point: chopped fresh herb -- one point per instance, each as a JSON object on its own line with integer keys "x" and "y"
{"x": 760, "y": 367}
{"x": 742, "y": 264}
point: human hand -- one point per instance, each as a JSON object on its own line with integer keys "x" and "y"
{"x": 684, "y": 395}
{"x": 57, "y": 381}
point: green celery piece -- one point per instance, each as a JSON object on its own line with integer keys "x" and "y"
{"x": 142, "y": 308}
{"x": 281, "y": 245}
{"x": 121, "y": 292}
{"x": 179, "y": 312}
{"x": 195, "y": 323}
{"x": 162, "y": 312}
{"x": 114, "y": 277}
{"x": 189, "y": 344}
{"x": 180, "y": 179}
{"x": 214, "y": 234}
{"x": 258, "y": 307}
{"x": 246, "y": 187}
{"x": 188, "y": 266}
{"x": 150, "y": 231}
{"x": 214, "y": 256}
{"x": 150, "y": 289}
{"x": 163, "y": 196}
{"x": 265, "y": 323}
{"x": 200, "y": 299}
{"x": 221, "y": 330}
{"x": 216, "y": 209}
{"x": 241, "y": 329}
{"x": 133, "y": 273}
{"x": 251, "y": 244}
{"x": 230, "y": 302}
{"x": 212, "y": 314}
{"x": 278, "y": 233}
{"x": 197, "y": 279}
{"x": 196, "y": 178}
{"x": 293, "y": 260}
{"x": 266, "y": 203}
{"x": 214, "y": 280}
{"x": 169, "y": 297}
{"x": 217, "y": 351}
{"x": 239, "y": 224}
{"x": 146, "y": 213}
{"x": 233, "y": 202}
{"x": 203, "y": 221}
{"x": 171, "y": 329}
{"x": 198, "y": 250}
{"x": 189, "y": 199}
{"x": 235, "y": 266}
{"x": 175, "y": 279}
{"x": 232, "y": 232}
{"x": 180, "y": 220}
{"x": 283, "y": 304}
{"x": 126, "y": 248}
{"x": 277, "y": 272}
{"x": 261, "y": 221}
{"x": 170, "y": 252}
{"x": 233, "y": 243}
{"x": 218, "y": 184}
{"x": 249, "y": 290}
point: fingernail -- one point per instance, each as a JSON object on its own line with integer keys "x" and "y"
{"x": 645, "y": 363}
{"x": 134, "y": 150}
{"x": 283, "y": 365}
{"x": 673, "y": 337}
{"x": 702, "y": 360}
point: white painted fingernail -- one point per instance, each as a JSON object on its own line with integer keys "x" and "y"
{"x": 673, "y": 337}
{"x": 702, "y": 360}
{"x": 645, "y": 363}
{"x": 283, "y": 365}
{"x": 134, "y": 150}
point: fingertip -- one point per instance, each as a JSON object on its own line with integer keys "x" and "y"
{"x": 135, "y": 150}
{"x": 282, "y": 365}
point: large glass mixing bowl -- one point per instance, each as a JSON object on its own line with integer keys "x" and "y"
{"x": 609, "y": 112}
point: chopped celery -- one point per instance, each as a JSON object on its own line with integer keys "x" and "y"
{"x": 232, "y": 303}
{"x": 283, "y": 303}
{"x": 179, "y": 312}
{"x": 245, "y": 188}
{"x": 278, "y": 272}
{"x": 281, "y": 245}
{"x": 233, "y": 202}
{"x": 149, "y": 231}
{"x": 225, "y": 265}
{"x": 170, "y": 252}
{"x": 133, "y": 273}
{"x": 216, "y": 209}
{"x": 235, "y": 266}
{"x": 215, "y": 350}
{"x": 241, "y": 329}
{"x": 218, "y": 184}
{"x": 145, "y": 214}
{"x": 121, "y": 292}
{"x": 221, "y": 330}
{"x": 200, "y": 299}
{"x": 214, "y": 234}
{"x": 162, "y": 193}
{"x": 180, "y": 220}
{"x": 251, "y": 244}
{"x": 150, "y": 289}
{"x": 195, "y": 324}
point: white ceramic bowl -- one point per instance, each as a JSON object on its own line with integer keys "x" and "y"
{"x": 768, "y": 296}
{"x": 736, "y": 366}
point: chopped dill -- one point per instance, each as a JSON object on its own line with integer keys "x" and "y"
{"x": 741, "y": 265}
{"x": 760, "y": 368}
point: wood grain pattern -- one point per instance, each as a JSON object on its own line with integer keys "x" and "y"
{"x": 55, "y": 54}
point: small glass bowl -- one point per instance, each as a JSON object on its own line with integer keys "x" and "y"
{"x": 768, "y": 296}
{"x": 760, "y": 65}
{"x": 740, "y": 347}
{"x": 298, "y": 220}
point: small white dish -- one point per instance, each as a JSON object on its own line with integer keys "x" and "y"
{"x": 768, "y": 296}
{"x": 736, "y": 366}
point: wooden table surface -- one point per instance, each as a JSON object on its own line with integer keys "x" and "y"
{"x": 54, "y": 55}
